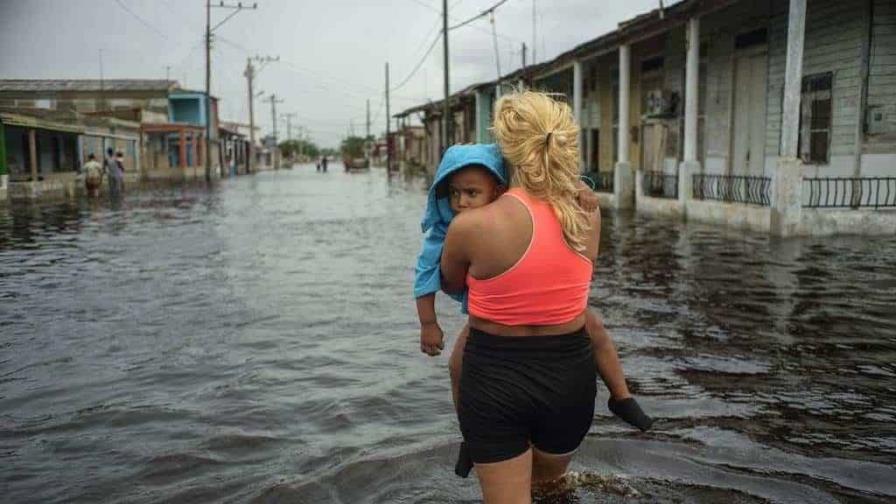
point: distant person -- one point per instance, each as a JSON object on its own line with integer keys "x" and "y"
{"x": 319, "y": 161}
{"x": 93, "y": 175}
{"x": 119, "y": 164}
{"x": 110, "y": 168}
{"x": 324, "y": 164}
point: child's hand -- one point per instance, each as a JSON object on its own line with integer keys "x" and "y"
{"x": 431, "y": 337}
{"x": 587, "y": 199}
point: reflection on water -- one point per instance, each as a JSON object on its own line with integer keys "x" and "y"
{"x": 257, "y": 340}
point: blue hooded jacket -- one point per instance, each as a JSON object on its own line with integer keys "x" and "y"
{"x": 438, "y": 215}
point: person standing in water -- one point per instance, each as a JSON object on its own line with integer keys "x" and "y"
{"x": 110, "y": 168}
{"x": 93, "y": 175}
{"x": 528, "y": 378}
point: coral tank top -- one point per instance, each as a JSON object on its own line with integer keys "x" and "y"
{"x": 548, "y": 285}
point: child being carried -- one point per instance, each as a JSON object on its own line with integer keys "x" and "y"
{"x": 472, "y": 176}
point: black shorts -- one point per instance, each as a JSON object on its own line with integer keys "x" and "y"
{"x": 517, "y": 391}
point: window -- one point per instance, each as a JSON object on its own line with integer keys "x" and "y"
{"x": 751, "y": 38}
{"x": 652, "y": 64}
{"x": 815, "y": 118}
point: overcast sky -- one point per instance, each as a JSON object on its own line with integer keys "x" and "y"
{"x": 332, "y": 52}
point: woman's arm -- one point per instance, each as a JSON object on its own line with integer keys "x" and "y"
{"x": 592, "y": 245}
{"x": 455, "y": 260}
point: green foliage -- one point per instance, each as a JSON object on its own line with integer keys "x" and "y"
{"x": 296, "y": 147}
{"x": 353, "y": 147}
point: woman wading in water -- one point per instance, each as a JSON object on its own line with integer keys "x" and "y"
{"x": 527, "y": 386}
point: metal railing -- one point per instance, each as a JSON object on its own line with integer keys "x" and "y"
{"x": 600, "y": 181}
{"x": 733, "y": 189}
{"x": 849, "y": 192}
{"x": 659, "y": 185}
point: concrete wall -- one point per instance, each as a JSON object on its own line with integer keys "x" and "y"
{"x": 730, "y": 215}
{"x": 827, "y": 222}
{"x": 882, "y": 81}
{"x": 86, "y": 101}
{"x": 56, "y": 185}
{"x": 660, "y": 207}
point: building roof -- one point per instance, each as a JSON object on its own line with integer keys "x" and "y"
{"x": 64, "y": 85}
{"x": 639, "y": 27}
{"x": 35, "y": 119}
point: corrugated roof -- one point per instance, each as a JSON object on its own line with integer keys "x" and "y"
{"x": 64, "y": 85}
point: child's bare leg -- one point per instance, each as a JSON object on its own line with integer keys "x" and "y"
{"x": 605, "y": 357}
{"x": 455, "y": 362}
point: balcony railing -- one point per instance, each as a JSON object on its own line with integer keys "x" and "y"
{"x": 600, "y": 181}
{"x": 659, "y": 185}
{"x": 847, "y": 192}
{"x": 733, "y": 189}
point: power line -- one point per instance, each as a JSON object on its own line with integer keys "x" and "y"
{"x": 142, "y": 21}
{"x": 419, "y": 63}
{"x": 486, "y": 12}
{"x": 479, "y": 28}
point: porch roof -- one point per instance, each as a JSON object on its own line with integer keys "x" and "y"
{"x": 31, "y": 121}
{"x": 170, "y": 127}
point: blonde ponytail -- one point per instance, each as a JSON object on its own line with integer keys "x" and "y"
{"x": 540, "y": 140}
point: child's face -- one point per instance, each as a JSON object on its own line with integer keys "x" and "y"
{"x": 472, "y": 187}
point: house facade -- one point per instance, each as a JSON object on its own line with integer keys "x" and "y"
{"x": 172, "y": 122}
{"x": 777, "y": 116}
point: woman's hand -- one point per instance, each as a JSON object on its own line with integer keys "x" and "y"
{"x": 431, "y": 339}
{"x": 586, "y": 198}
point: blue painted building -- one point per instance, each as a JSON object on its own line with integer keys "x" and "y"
{"x": 189, "y": 107}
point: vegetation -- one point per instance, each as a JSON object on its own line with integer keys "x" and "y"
{"x": 291, "y": 148}
{"x": 352, "y": 147}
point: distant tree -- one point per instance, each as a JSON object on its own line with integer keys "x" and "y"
{"x": 289, "y": 148}
{"x": 352, "y": 147}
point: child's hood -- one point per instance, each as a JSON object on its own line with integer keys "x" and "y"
{"x": 455, "y": 158}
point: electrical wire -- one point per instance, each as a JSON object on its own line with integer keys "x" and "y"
{"x": 142, "y": 21}
{"x": 490, "y": 10}
{"x": 419, "y": 63}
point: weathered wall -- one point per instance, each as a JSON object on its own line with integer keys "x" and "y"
{"x": 717, "y": 34}
{"x": 730, "y": 215}
{"x": 827, "y": 222}
{"x": 607, "y": 102}
{"x": 86, "y": 101}
{"x": 882, "y": 84}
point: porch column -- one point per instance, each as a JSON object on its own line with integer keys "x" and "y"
{"x": 577, "y": 108}
{"x": 786, "y": 211}
{"x": 199, "y": 145}
{"x": 478, "y": 108}
{"x": 4, "y": 176}
{"x": 182, "y": 149}
{"x": 623, "y": 178}
{"x": 32, "y": 149}
{"x": 690, "y": 165}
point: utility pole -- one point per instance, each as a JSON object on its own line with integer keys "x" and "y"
{"x": 102, "y": 85}
{"x": 208, "y": 73}
{"x": 250, "y": 75}
{"x": 274, "y": 101}
{"x": 388, "y": 121}
{"x": 367, "y": 135}
{"x": 534, "y": 41}
{"x": 446, "y": 106}
{"x": 288, "y": 118}
{"x": 524, "y": 55}
{"x": 208, "y": 91}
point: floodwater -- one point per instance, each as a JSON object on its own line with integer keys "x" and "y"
{"x": 257, "y": 341}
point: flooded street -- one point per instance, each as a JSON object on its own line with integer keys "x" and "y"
{"x": 257, "y": 340}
